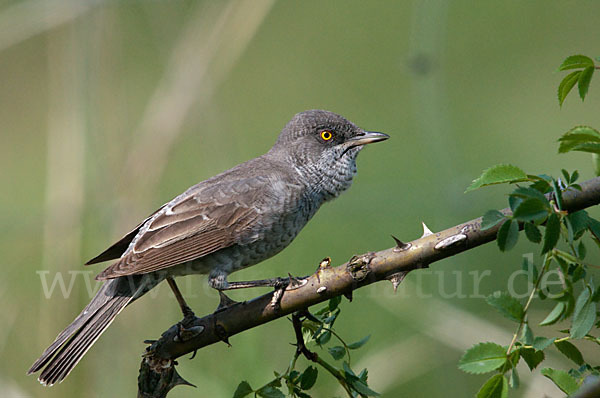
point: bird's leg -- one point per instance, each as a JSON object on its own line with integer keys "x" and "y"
{"x": 185, "y": 309}
{"x": 219, "y": 282}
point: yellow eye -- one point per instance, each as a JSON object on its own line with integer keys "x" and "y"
{"x": 326, "y": 135}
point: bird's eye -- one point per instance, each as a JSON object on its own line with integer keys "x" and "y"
{"x": 326, "y": 135}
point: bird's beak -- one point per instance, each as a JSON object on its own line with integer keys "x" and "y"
{"x": 368, "y": 137}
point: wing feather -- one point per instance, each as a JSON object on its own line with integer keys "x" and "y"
{"x": 185, "y": 230}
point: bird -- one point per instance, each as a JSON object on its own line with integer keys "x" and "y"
{"x": 231, "y": 221}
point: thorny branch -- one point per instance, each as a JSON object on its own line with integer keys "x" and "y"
{"x": 157, "y": 372}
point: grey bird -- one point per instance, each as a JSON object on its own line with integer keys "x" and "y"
{"x": 233, "y": 220}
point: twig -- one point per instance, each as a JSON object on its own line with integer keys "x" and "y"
{"x": 312, "y": 356}
{"x": 547, "y": 259}
{"x": 360, "y": 271}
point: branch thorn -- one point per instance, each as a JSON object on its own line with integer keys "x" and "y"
{"x": 426, "y": 230}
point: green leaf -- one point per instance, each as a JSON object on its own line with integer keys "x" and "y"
{"x": 555, "y": 314}
{"x": 308, "y": 378}
{"x": 334, "y": 302}
{"x": 508, "y": 235}
{"x": 526, "y": 335}
{"x": 363, "y": 389}
{"x": 323, "y": 338}
{"x": 270, "y": 392}
{"x": 490, "y": 219}
{"x": 531, "y": 269}
{"x": 566, "y": 85}
{"x": 552, "y": 233}
{"x": 570, "y": 351}
{"x": 530, "y": 193}
{"x": 507, "y": 305}
{"x": 584, "y": 81}
{"x": 532, "y": 357}
{"x": 531, "y": 210}
{"x": 584, "y": 316}
{"x": 242, "y": 390}
{"x": 337, "y": 352}
{"x": 483, "y": 358}
{"x": 532, "y": 232}
{"x": 514, "y": 382}
{"x": 578, "y": 135}
{"x": 579, "y": 221}
{"x": 359, "y": 343}
{"x": 590, "y": 147}
{"x": 582, "y": 300}
{"x": 495, "y": 387}
{"x": 562, "y": 379}
{"x": 541, "y": 343}
{"x": 594, "y": 227}
{"x": 576, "y": 62}
{"x": 499, "y": 174}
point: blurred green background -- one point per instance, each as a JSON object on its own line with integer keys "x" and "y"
{"x": 111, "y": 108}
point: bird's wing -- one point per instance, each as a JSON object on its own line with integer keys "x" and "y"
{"x": 199, "y": 222}
{"x": 120, "y": 247}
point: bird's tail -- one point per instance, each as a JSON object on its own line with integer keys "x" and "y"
{"x": 78, "y": 337}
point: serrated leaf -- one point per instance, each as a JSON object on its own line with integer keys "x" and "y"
{"x": 530, "y": 193}
{"x": 584, "y": 81}
{"x": 594, "y": 227}
{"x": 359, "y": 343}
{"x": 541, "y": 343}
{"x": 576, "y": 62}
{"x": 532, "y": 357}
{"x": 562, "y": 380}
{"x": 574, "y": 176}
{"x": 514, "y": 202}
{"x": 526, "y": 335}
{"x": 589, "y": 147}
{"x": 499, "y": 174}
{"x": 483, "y": 358}
{"x": 570, "y": 351}
{"x": 531, "y": 209}
{"x": 508, "y": 235}
{"x": 566, "y": 85}
{"x": 582, "y": 299}
{"x": 579, "y": 221}
{"x": 495, "y": 387}
{"x": 555, "y": 314}
{"x": 532, "y": 232}
{"x": 308, "y": 378}
{"x": 323, "y": 338}
{"x": 552, "y": 233}
{"x": 507, "y": 305}
{"x": 363, "y": 389}
{"x": 576, "y": 136}
{"x": 337, "y": 352}
{"x": 270, "y": 392}
{"x": 584, "y": 316}
{"x": 363, "y": 375}
{"x": 242, "y": 390}
{"x": 490, "y": 219}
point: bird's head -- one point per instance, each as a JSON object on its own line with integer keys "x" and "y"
{"x": 323, "y": 145}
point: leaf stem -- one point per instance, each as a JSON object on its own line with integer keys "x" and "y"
{"x": 312, "y": 356}
{"x": 547, "y": 259}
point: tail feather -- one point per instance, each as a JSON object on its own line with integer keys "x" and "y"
{"x": 62, "y": 364}
{"x": 82, "y": 333}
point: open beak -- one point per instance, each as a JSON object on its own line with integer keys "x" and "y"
{"x": 368, "y": 137}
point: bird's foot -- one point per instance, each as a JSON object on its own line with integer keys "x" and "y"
{"x": 283, "y": 284}
{"x": 185, "y": 331}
